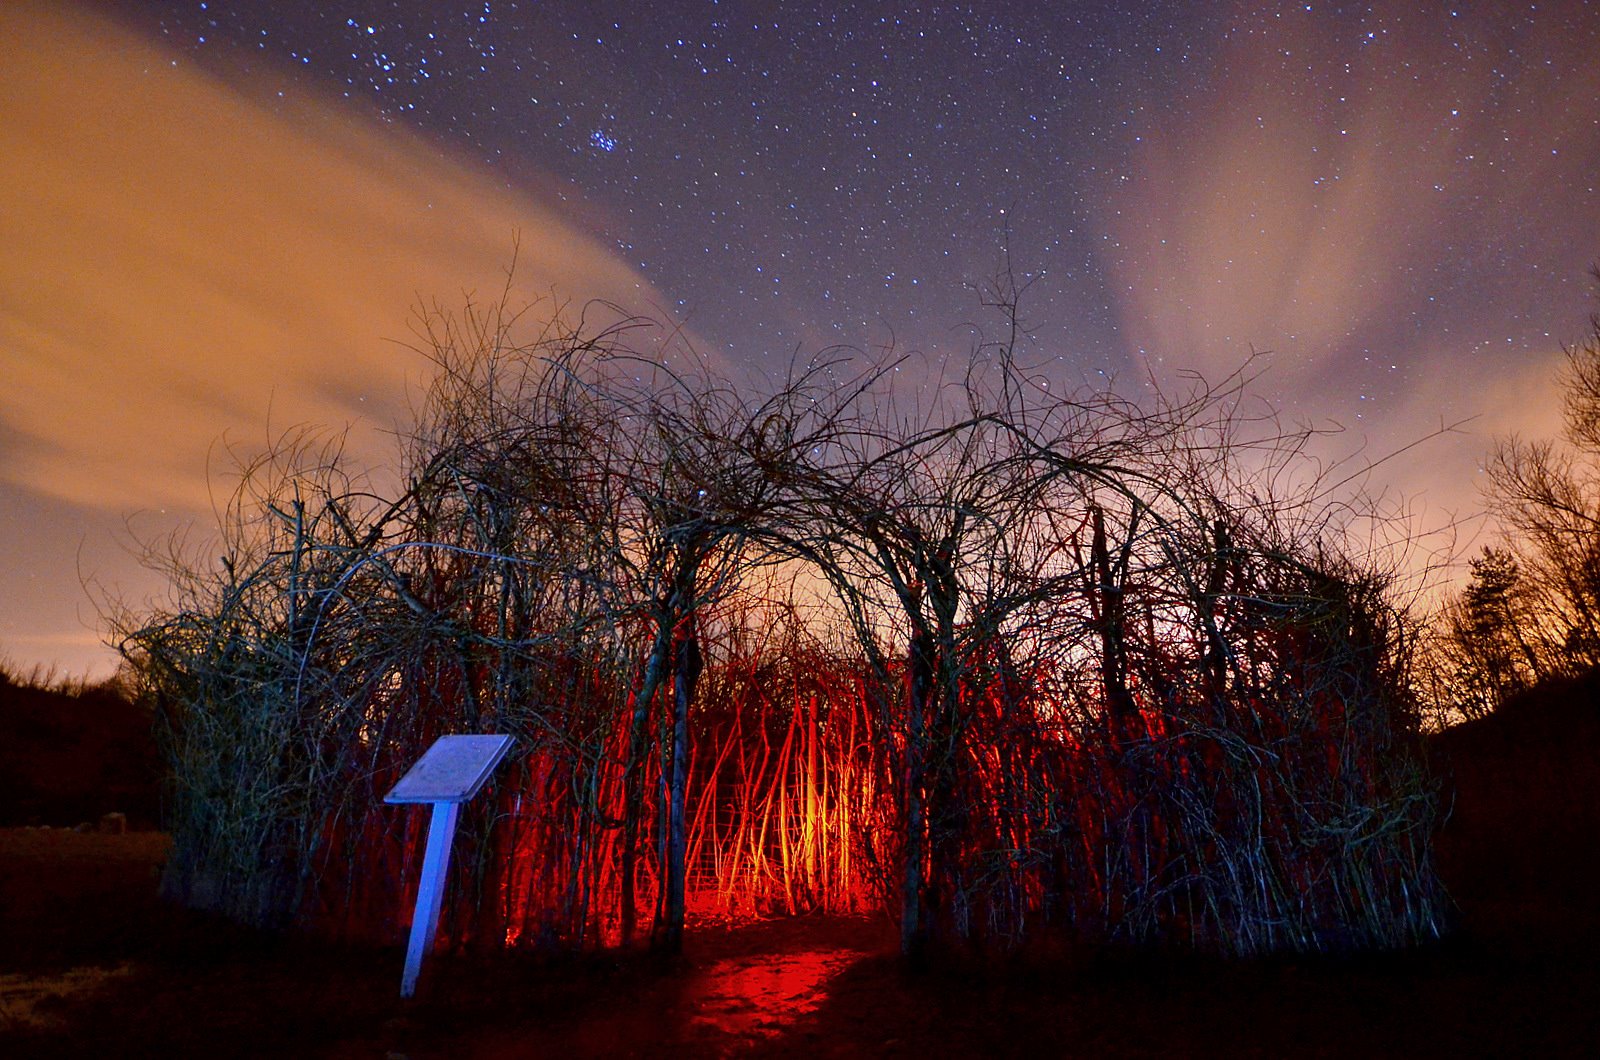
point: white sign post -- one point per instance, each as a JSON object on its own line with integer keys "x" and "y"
{"x": 448, "y": 774}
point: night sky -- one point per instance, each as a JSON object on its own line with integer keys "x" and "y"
{"x": 218, "y": 215}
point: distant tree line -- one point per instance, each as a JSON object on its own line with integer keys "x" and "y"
{"x": 73, "y": 750}
{"x": 1530, "y": 611}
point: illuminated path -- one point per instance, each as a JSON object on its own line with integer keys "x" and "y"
{"x": 764, "y": 988}
{"x": 763, "y": 996}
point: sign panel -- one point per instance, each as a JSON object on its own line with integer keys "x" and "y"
{"x": 452, "y": 770}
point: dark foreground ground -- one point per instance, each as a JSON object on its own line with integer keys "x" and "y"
{"x": 92, "y": 965}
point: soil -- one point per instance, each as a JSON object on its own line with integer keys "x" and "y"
{"x": 92, "y": 964}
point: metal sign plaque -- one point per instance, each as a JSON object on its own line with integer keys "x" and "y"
{"x": 452, "y": 770}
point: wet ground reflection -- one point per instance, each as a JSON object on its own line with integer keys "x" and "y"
{"x": 761, "y": 996}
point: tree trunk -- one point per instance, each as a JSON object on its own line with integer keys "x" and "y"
{"x": 687, "y": 665}
{"x": 913, "y": 929}
{"x": 1113, "y": 658}
{"x": 633, "y": 779}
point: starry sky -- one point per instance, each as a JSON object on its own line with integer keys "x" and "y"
{"x": 222, "y": 215}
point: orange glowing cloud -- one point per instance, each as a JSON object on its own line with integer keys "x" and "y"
{"x": 180, "y": 258}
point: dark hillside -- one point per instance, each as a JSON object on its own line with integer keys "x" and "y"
{"x": 1525, "y": 819}
{"x": 71, "y": 755}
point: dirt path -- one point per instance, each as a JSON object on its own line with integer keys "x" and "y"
{"x": 751, "y": 989}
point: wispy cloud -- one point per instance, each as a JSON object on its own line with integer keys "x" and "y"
{"x": 185, "y": 256}
{"x": 1341, "y": 194}
{"x": 179, "y": 256}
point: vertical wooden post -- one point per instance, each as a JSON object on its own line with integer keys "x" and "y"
{"x": 430, "y": 892}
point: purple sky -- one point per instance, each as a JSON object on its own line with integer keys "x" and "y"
{"x": 216, "y": 218}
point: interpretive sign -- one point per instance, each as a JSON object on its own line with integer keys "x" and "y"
{"x": 452, "y": 770}
{"x": 448, "y": 774}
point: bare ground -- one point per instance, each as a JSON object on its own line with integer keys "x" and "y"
{"x": 91, "y": 964}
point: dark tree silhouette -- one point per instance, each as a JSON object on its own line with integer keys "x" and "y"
{"x": 1015, "y": 663}
{"x": 1532, "y": 609}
